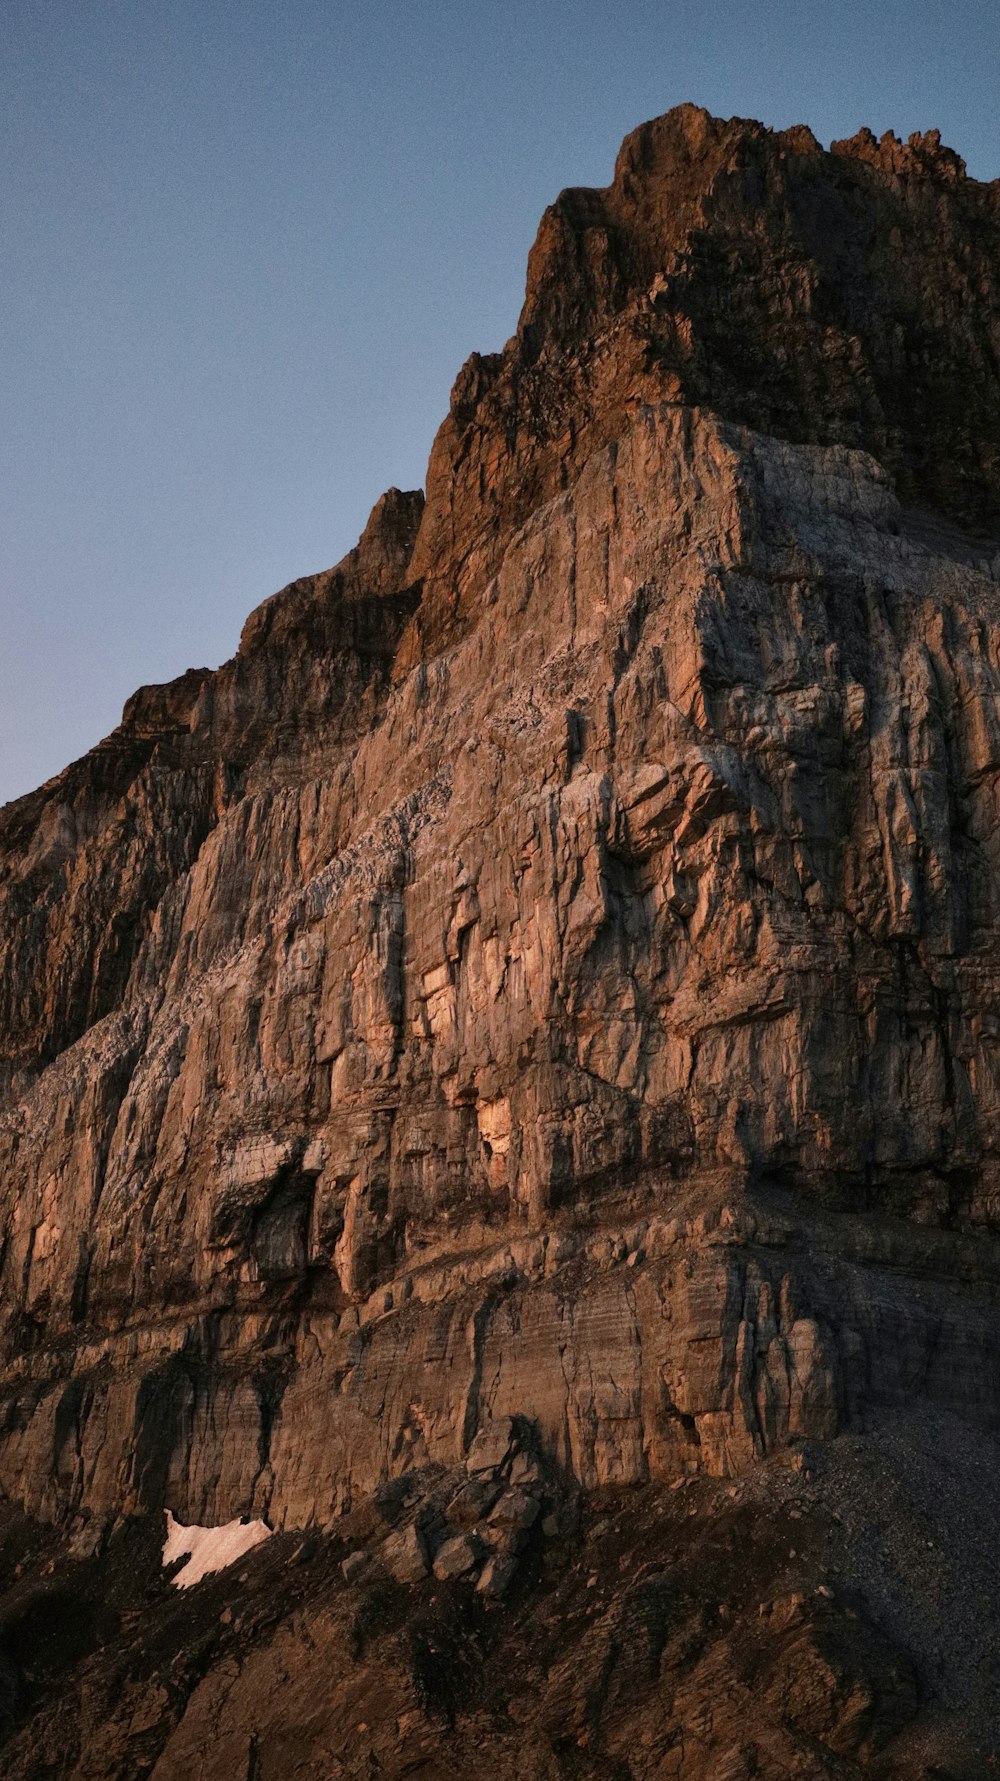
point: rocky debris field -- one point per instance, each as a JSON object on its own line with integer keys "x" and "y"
{"x": 827, "y": 1615}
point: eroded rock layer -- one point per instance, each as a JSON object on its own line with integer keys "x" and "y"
{"x": 549, "y": 980}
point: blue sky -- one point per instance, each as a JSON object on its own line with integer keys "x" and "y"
{"x": 247, "y": 244}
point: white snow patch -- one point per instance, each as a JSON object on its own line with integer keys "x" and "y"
{"x": 210, "y": 1548}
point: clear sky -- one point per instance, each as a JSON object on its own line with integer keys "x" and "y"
{"x": 247, "y": 244}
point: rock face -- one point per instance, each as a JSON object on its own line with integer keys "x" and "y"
{"x": 533, "y": 1013}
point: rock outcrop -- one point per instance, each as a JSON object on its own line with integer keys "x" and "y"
{"x": 531, "y": 1017}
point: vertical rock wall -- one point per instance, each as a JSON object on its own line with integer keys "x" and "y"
{"x": 552, "y": 970}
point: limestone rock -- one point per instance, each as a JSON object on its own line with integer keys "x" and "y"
{"x": 473, "y": 1502}
{"x": 492, "y": 1446}
{"x": 528, "y": 1023}
{"x": 404, "y": 1554}
{"x": 515, "y": 1509}
{"x": 496, "y": 1576}
{"x": 354, "y": 1565}
{"x": 456, "y": 1558}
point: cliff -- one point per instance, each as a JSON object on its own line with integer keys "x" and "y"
{"x": 528, "y": 1025}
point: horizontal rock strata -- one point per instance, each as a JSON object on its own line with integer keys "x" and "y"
{"x": 550, "y": 976}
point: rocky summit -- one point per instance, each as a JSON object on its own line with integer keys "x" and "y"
{"x": 501, "y": 1080}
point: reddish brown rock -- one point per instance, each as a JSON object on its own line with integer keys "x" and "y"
{"x": 532, "y": 1015}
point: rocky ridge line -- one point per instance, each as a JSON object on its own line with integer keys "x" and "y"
{"x": 547, "y": 980}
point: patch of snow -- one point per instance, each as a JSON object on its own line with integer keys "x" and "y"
{"x": 210, "y": 1548}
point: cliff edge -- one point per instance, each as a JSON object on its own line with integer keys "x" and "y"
{"x": 501, "y": 1079}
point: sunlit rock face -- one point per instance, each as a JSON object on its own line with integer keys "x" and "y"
{"x": 550, "y": 977}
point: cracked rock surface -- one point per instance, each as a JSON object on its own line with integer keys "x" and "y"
{"x": 500, "y": 1080}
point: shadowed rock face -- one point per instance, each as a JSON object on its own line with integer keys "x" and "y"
{"x": 548, "y": 982}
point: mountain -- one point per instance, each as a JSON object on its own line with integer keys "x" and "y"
{"x": 501, "y": 1080}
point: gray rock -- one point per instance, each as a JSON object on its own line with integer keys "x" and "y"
{"x": 515, "y": 1509}
{"x": 473, "y": 1502}
{"x": 353, "y": 1565}
{"x": 456, "y": 1558}
{"x": 497, "y": 1575}
{"x": 524, "y": 1469}
{"x": 492, "y": 1445}
{"x": 404, "y": 1555}
{"x": 510, "y": 1541}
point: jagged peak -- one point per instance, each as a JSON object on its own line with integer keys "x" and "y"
{"x": 377, "y": 566}
{"x": 836, "y": 296}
